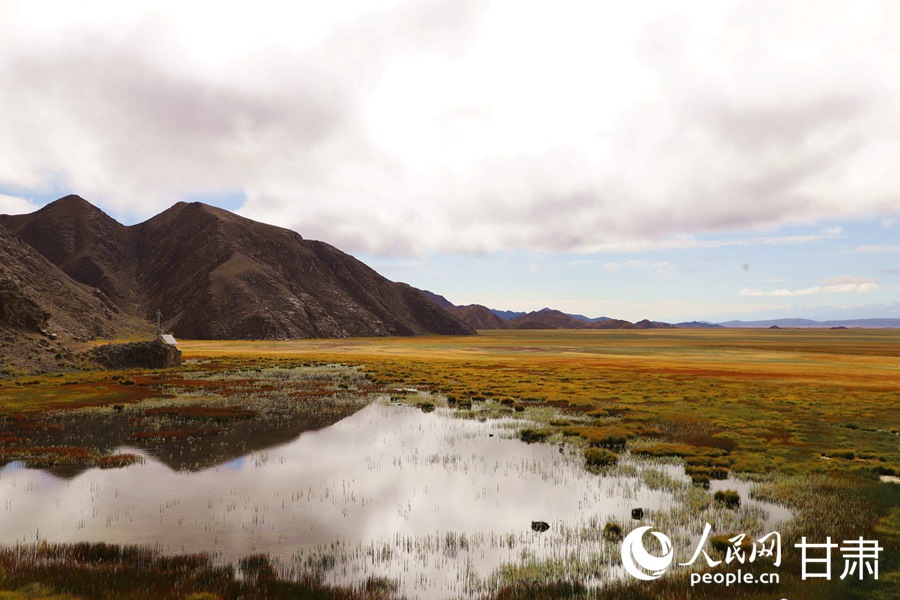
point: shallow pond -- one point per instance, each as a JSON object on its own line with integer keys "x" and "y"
{"x": 434, "y": 503}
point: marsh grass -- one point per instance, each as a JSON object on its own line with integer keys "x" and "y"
{"x": 198, "y": 410}
{"x": 119, "y": 460}
{"x": 109, "y": 571}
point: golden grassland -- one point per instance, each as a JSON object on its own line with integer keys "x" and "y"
{"x": 774, "y": 399}
{"x": 814, "y": 415}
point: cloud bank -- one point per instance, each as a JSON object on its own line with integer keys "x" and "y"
{"x": 403, "y": 128}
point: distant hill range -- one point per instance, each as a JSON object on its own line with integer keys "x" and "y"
{"x": 696, "y": 325}
{"x": 506, "y": 315}
{"x": 482, "y": 317}
{"x": 212, "y": 274}
{"x": 785, "y": 323}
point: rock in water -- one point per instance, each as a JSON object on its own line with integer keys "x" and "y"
{"x": 540, "y": 526}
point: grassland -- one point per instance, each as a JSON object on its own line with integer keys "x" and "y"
{"x": 774, "y": 400}
{"x": 813, "y": 415}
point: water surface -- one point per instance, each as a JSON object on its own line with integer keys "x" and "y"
{"x": 429, "y": 501}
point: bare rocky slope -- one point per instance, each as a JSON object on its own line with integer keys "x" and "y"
{"x": 45, "y": 316}
{"x": 216, "y": 275}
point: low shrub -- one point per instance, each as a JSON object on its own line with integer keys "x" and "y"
{"x": 530, "y": 436}
{"x": 845, "y": 454}
{"x": 730, "y": 498}
{"x": 600, "y": 457}
{"x": 612, "y": 532}
{"x": 608, "y": 441}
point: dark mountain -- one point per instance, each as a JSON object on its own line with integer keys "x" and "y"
{"x": 437, "y": 299}
{"x": 44, "y": 313}
{"x": 478, "y": 316}
{"x": 647, "y": 324}
{"x": 548, "y": 318}
{"x": 506, "y": 315}
{"x": 473, "y": 315}
{"x": 216, "y": 275}
{"x": 87, "y": 244}
{"x": 696, "y": 325}
{"x": 589, "y": 319}
{"x": 862, "y": 323}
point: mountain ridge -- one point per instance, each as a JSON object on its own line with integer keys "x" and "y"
{"x": 217, "y": 275}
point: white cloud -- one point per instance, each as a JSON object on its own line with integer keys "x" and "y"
{"x": 848, "y": 279}
{"x": 686, "y": 242}
{"x": 781, "y": 292}
{"x": 13, "y": 205}
{"x": 846, "y": 287}
{"x": 459, "y": 125}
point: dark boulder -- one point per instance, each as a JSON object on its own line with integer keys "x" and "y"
{"x": 137, "y": 355}
{"x": 540, "y": 526}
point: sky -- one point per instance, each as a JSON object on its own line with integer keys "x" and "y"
{"x": 650, "y": 159}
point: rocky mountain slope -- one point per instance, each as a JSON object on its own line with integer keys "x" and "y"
{"x": 216, "y": 275}
{"x": 44, "y": 314}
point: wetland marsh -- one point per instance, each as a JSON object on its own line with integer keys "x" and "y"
{"x": 407, "y": 474}
{"x": 434, "y": 504}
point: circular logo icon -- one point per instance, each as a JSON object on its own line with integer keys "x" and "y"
{"x": 634, "y": 555}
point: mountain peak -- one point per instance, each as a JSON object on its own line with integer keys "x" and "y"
{"x": 72, "y": 211}
{"x": 69, "y": 204}
{"x": 198, "y": 215}
{"x": 189, "y": 207}
{"x": 72, "y": 198}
